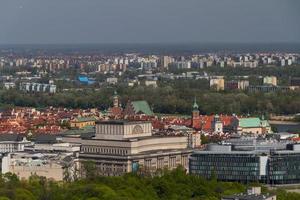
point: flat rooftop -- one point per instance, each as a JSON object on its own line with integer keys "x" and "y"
{"x": 255, "y": 152}
{"x": 248, "y": 197}
{"x": 121, "y": 122}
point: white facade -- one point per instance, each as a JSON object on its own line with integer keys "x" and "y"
{"x": 270, "y": 80}
{"x": 66, "y": 147}
{"x": 151, "y": 83}
{"x": 13, "y": 146}
{"x": 37, "y": 87}
{"x": 120, "y": 131}
{"x": 9, "y": 85}
{"x": 51, "y": 165}
{"x": 112, "y": 80}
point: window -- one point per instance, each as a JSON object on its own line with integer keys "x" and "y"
{"x": 148, "y": 163}
{"x": 172, "y": 162}
{"x": 160, "y": 163}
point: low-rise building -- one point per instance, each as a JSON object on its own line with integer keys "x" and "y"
{"x": 270, "y": 80}
{"x": 270, "y": 88}
{"x": 253, "y": 193}
{"x": 112, "y": 80}
{"x": 217, "y": 83}
{"x": 9, "y": 85}
{"x": 12, "y": 143}
{"x": 128, "y": 146}
{"x": 237, "y": 85}
{"x": 152, "y": 83}
{"x": 81, "y": 122}
{"x": 54, "y": 166}
{"x": 52, "y": 143}
{"x": 252, "y": 125}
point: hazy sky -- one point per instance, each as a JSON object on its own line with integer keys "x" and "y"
{"x": 143, "y": 21}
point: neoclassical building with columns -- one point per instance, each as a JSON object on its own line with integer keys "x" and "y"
{"x": 126, "y": 146}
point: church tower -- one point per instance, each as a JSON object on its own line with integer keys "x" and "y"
{"x": 217, "y": 124}
{"x": 195, "y": 116}
{"x": 116, "y": 110}
{"x": 116, "y": 101}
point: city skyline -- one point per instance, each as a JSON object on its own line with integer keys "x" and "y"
{"x": 150, "y": 99}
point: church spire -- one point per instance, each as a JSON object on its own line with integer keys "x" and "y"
{"x": 195, "y": 115}
{"x": 195, "y": 105}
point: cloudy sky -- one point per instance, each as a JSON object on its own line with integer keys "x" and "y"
{"x": 148, "y": 21}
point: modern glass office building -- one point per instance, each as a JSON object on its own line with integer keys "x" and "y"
{"x": 230, "y": 163}
{"x": 284, "y": 167}
{"x": 238, "y": 166}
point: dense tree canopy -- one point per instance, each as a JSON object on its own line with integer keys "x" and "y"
{"x": 174, "y": 97}
{"x": 168, "y": 185}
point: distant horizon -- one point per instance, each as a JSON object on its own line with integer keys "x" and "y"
{"x": 154, "y": 43}
{"x": 162, "y": 48}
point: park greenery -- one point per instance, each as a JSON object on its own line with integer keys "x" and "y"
{"x": 170, "y": 98}
{"x": 167, "y": 185}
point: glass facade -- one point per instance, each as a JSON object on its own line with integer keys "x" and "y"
{"x": 280, "y": 167}
{"x": 284, "y": 168}
{"x": 227, "y": 167}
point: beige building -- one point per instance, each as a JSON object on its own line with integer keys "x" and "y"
{"x": 50, "y": 165}
{"x": 127, "y": 146}
{"x": 217, "y": 83}
{"x": 166, "y": 61}
{"x": 270, "y": 80}
{"x": 81, "y": 122}
{"x": 150, "y": 83}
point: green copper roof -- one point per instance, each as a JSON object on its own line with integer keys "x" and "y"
{"x": 249, "y": 122}
{"x": 265, "y": 123}
{"x": 142, "y": 107}
{"x": 195, "y": 105}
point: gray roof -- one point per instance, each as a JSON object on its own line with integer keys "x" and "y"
{"x": 247, "y": 197}
{"x": 255, "y": 152}
{"x": 11, "y": 137}
{"x": 87, "y": 135}
{"x": 121, "y": 122}
{"x": 45, "y": 139}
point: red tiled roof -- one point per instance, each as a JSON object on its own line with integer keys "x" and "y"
{"x": 296, "y": 139}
